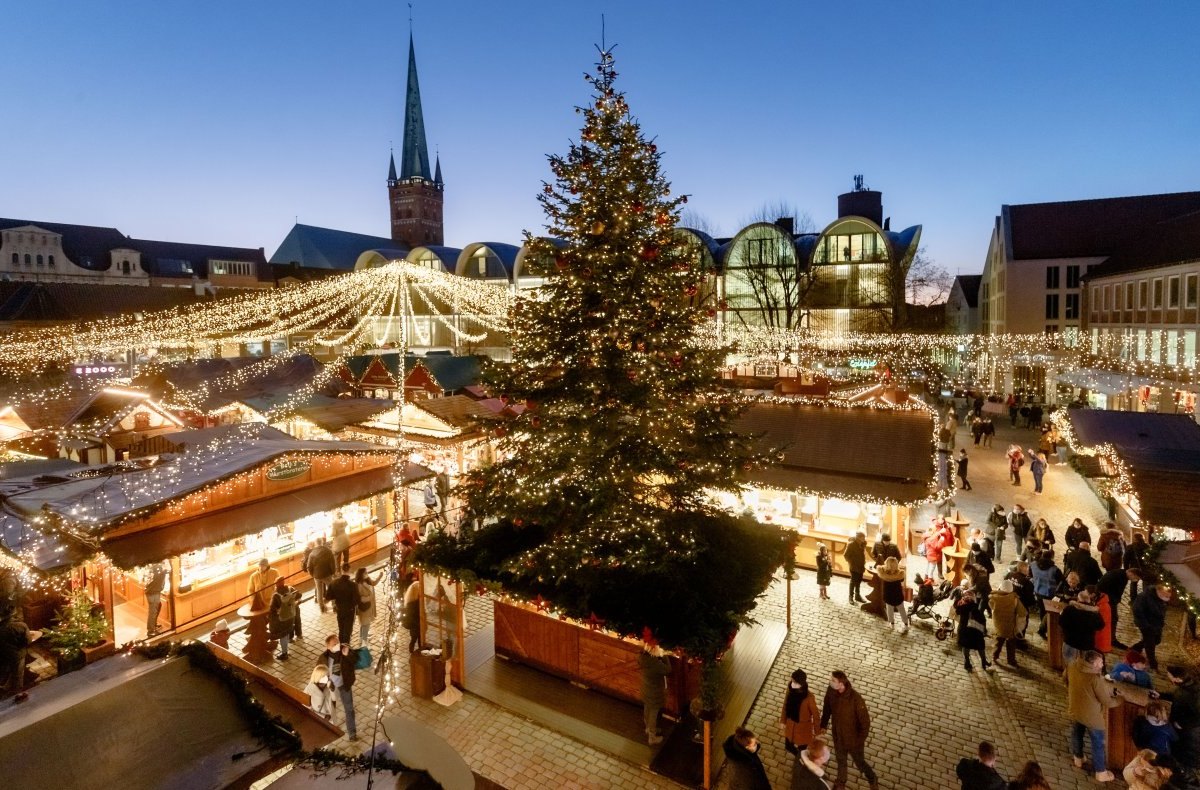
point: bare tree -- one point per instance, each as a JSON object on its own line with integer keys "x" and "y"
{"x": 690, "y": 218}
{"x": 915, "y": 281}
{"x": 773, "y": 211}
{"x": 766, "y": 285}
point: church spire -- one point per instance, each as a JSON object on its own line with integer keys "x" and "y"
{"x": 414, "y": 157}
{"x": 391, "y": 168}
{"x": 437, "y": 171}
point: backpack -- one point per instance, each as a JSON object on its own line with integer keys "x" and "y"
{"x": 287, "y": 606}
{"x": 1115, "y": 547}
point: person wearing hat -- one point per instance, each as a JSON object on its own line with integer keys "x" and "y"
{"x": 220, "y": 634}
{"x": 892, "y": 576}
{"x": 801, "y": 720}
{"x": 1133, "y": 670}
{"x": 884, "y": 548}
{"x": 1008, "y": 614}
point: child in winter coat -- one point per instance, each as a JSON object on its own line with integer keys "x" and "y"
{"x": 1153, "y": 731}
{"x": 824, "y": 569}
{"x": 1143, "y": 774}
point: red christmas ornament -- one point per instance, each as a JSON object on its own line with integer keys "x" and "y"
{"x": 535, "y": 421}
{"x": 549, "y": 190}
{"x": 574, "y": 191}
{"x": 520, "y": 522}
{"x": 691, "y": 290}
{"x": 677, "y": 361}
{"x": 683, "y": 198}
{"x": 653, "y": 148}
{"x": 560, "y": 261}
{"x": 531, "y": 404}
{"x": 500, "y": 431}
{"x": 632, "y": 374}
{"x": 663, "y": 219}
{"x": 649, "y": 253}
{"x": 710, "y": 312}
{"x": 480, "y": 590}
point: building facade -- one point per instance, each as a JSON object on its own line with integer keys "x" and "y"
{"x": 962, "y": 305}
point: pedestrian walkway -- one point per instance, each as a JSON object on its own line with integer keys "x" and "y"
{"x": 926, "y": 711}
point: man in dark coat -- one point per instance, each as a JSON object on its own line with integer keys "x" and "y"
{"x": 1081, "y": 561}
{"x": 1150, "y": 616}
{"x": 344, "y": 594}
{"x": 980, "y": 773}
{"x": 655, "y": 667}
{"x": 1076, "y": 533}
{"x": 1080, "y": 620}
{"x": 1018, "y": 519}
{"x": 856, "y": 558}
{"x": 845, "y": 710}
{"x": 15, "y": 639}
{"x": 745, "y": 766}
{"x": 321, "y": 567}
{"x": 884, "y": 548}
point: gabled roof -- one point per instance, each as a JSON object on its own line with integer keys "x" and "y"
{"x": 105, "y": 407}
{"x": 969, "y": 285}
{"x": 458, "y": 411}
{"x": 1172, "y": 241}
{"x": 336, "y": 414}
{"x": 1089, "y": 228}
{"x": 267, "y": 380}
{"x": 326, "y": 248}
{"x": 845, "y": 451}
{"x": 451, "y": 372}
{"x": 87, "y": 246}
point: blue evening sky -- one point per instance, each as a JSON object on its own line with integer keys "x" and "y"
{"x": 219, "y": 122}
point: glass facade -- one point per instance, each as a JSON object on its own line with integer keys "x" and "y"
{"x": 763, "y": 281}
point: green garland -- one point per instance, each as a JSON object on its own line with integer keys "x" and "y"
{"x": 274, "y": 732}
{"x": 1165, "y": 576}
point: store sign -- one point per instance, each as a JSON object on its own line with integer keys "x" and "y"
{"x": 864, "y": 364}
{"x": 96, "y": 370}
{"x": 286, "y": 470}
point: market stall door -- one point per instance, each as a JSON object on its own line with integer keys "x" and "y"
{"x": 131, "y": 608}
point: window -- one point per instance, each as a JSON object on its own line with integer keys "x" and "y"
{"x": 1051, "y": 276}
{"x": 40, "y": 261}
{"x": 124, "y": 267}
{"x": 1051, "y": 329}
{"x": 1072, "y": 313}
{"x": 1143, "y": 294}
{"x": 1173, "y": 292}
{"x": 1073, "y": 275}
{"x": 50, "y": 261}
{"x": 1158, "y": 294}
{"x": 1128, "y": 296}
{"x": 28, "y": 260}
{"x": 1190, "y": 291}
{"x": 16, "y": 259}
{"x": 1096, "y": 303}
{"x": 1052, "y": 305}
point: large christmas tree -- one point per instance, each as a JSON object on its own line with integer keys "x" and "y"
{"x": 600, "y": 505}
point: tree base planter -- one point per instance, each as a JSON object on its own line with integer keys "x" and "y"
{"x": 63, "y": 665}
{"x": 103, "y": 649}
{"x": 599, "y": 660}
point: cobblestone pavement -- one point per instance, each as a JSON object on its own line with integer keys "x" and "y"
{"x": 927, "y": 712}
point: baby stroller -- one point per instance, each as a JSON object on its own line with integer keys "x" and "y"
{"x": 926, "y": 596}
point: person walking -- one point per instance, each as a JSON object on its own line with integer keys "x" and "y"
{"x": 1016, "y": 459}
{"x": 285, "y": 608}
{"x": 801, "y": 720}
{"x": 1007, "y": 615}
{"x": 846, "y": 711}
{"x": 808, "y": 773}
{"x": 1150, "y": 617}
{"x": 977, "y": 429}
{"x": 1080, "y": 560}
{"x": 972, "y": 629}
{"x": 340, "y": 542}
{"x": 262, "y": 585}
{"x": 1019, "y": 523}
{"x": 344, "y": 594}
{"x": 322, "y": 566}
{"x": 979, "y": 773}
{"x": 411, "y": 619}
{"x": 743, "y": 762}
{"x": 366, "y": 602}
{"x": 1089, "y": 696}
{"x": 1113, "y": 584}
{"x": 1037, "y": 468}
{"x": 655, "y": 668}
{"x": 824, "y": 570}
{"x": 1022, "y": 582}
{"x": 994, "y": 531}
{"x": 892, "y": 576}
{"x": 156, "y": 582}
{"x": 339, "y": 664}
{"x": 856, "y": 558}
{"x": 962, "y": 463}
{"x": 939, "y": 538}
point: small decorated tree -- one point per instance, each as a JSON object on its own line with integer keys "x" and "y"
{"x": 79, "y": 626}
{"x": 602, "y": 504}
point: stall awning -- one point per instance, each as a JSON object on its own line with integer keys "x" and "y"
{"x": 844, "y": 486}
{"x": 178, "y": 538}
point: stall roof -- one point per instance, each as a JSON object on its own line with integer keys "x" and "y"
{"x": 93, "y": 499}
{"x": 853, "y": 452}
{"x": 460, "y": 411}
{"x": 1162, "y": 453}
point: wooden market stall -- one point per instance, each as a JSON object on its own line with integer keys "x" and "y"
{"x": 842, "y": 467}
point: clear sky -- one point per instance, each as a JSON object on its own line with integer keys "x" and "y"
{"x": 220, "y": 122}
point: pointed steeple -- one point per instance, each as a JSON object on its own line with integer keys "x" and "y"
{"x": 437, "y": 171}
{"x": 391, "y": 168}
{"x": 414, "y": 157}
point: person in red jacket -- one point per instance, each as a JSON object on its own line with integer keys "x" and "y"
{"x": 939, "y": 538}
{"x": 1103, "y": 640}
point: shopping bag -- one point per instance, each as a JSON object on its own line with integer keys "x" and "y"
{"x": 363, "y": 661}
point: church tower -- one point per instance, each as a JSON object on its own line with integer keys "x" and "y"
{"x": 415, "y": 196}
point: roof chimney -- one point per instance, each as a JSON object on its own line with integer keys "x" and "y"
{"x": 787, "y": 225}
